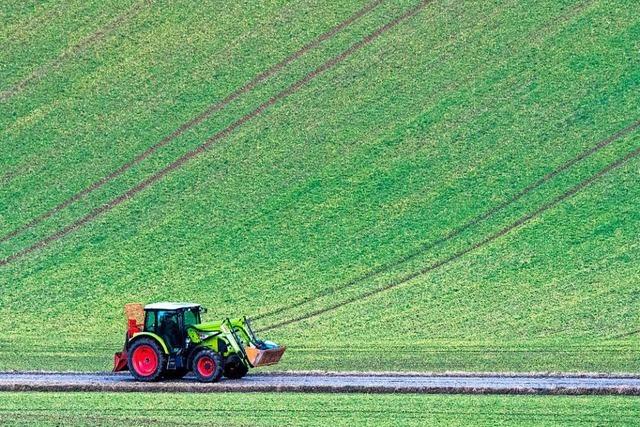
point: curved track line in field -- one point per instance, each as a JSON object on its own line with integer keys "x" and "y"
{"x": 76, "y": 49}
{"x": 538, "y": 34}
{"x": 195, "y": 121}
{"x": 626, "y": 334}
{"x": 458, "y": 231}
{"x": 572, "y": 12}
{"x": 283, "y": 17}
{"x": 516, "y": 224}
{"x": 219, "y": 135}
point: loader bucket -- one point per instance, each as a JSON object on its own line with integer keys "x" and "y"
{"x": 120, "y": 361}
{"x": 259, "y": 357}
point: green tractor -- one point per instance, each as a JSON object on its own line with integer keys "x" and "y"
{"x": 169, "y": 340}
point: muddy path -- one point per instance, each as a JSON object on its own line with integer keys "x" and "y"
{"x": 475, "y": 383}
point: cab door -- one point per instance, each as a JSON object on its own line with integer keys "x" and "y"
{"x": 169, "y": 327}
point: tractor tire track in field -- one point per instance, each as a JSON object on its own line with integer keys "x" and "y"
{"x": 516, "y": 224}
{"x": 75, "y": 50}
{"x": 195, "y": 121}
{"x": 220, "y": 135}
{"x": 536, "y": 37}
{"x": 626, "y": 334}
{"x": 458, "y": 231}
{"x": 334, "y": 382}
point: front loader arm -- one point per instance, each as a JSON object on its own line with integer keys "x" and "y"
{"x": 257, "y": 352}
{"x": 232, "y": 336}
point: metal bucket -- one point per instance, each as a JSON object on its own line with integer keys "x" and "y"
{"x": 259, "y": 357}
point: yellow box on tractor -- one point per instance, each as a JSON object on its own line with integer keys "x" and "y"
{"x": 169, "y": 340}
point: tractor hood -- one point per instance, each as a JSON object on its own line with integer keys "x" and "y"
{"x": 208, "y": 326}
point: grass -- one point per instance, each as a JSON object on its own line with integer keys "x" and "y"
{"x": 267, "y": 409}
{"x": 37, "y": 36}
{"x": 437, "y": 121}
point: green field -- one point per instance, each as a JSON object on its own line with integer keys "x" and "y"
{"x": 290, "y": 409}
{"x": 337, "y": 215}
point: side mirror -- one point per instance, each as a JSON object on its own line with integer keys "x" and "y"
{"x": 203, "y": 310}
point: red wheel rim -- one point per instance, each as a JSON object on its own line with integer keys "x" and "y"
{"x": 145, "y": 360}
{"x": 206, "y": 366}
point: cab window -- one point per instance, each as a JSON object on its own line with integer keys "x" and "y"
{"x": 150, "y": 321}
{"x": 191, "y": 317}
{"x": 169, "y": 328}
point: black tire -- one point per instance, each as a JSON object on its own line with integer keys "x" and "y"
{"x": 234, "y": 368}
{"x": 146, "y": 360}
{"x": 208, "y": 366}
{"x": 175, "y": 374}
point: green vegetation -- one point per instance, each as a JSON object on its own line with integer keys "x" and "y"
{"x": 37, "y": 35}
{"x": 267, "y": 409}
{"x": 435, "y": 122}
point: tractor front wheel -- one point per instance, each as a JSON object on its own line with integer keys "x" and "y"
{"x": 147, "y": 361}
{"x": 208, "y": 366}
{"x": 235, "y": 368}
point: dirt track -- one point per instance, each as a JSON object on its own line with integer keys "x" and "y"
{"x": 504, "y": 231}
{"x": 473, "y": 222}
{"x": 217, "y": 106}
{"x": 295, "y": 87}
{"x": 336, "y": 383}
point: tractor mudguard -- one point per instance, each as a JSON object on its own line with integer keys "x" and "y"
{"x": 152, "y": 335}
{"x": 120, "y": 358}
{"x": 216, "y": 344}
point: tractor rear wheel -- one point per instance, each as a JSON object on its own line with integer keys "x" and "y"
{"x": 235, "y": 368}
{"x": 208, "y": 366}
{"x": 147, "y": 361}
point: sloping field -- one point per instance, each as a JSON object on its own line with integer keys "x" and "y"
{"x": 386, "y": 185}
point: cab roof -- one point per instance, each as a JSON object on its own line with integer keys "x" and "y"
{"x": 170, "y": 305}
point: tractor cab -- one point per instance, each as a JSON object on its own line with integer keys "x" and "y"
{"x": 171, "y": 321}
{"x": 168, "y": 340}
